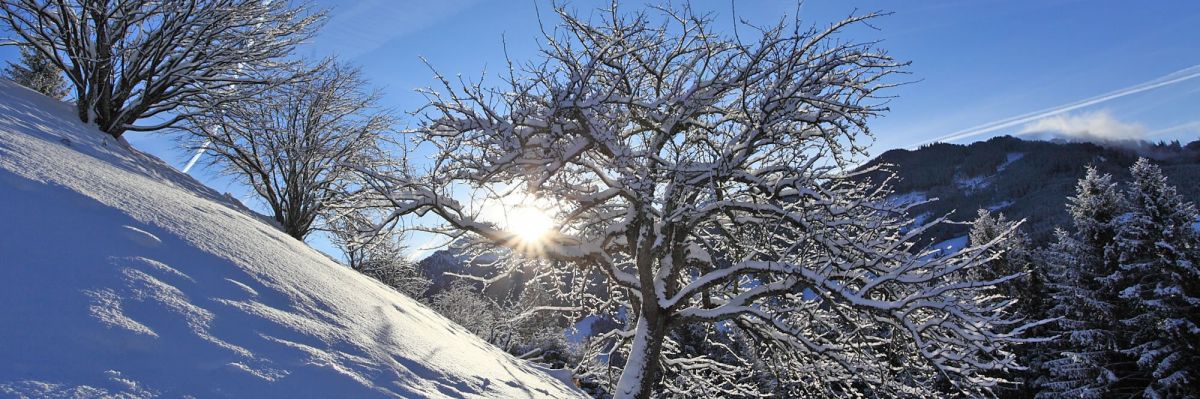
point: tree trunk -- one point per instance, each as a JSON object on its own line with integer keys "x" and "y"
{"x": 643, "y": 369}
{"x": 88, "y": 113}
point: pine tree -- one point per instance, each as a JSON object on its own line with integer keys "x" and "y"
{"x": 1157, "y": 247}
{"x": 1014, "y": 256}
{"x": 39, "y": 73}
{"x": 1082, "y": 268}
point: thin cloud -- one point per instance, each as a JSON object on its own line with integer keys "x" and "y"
{"x": 1183, "y": 127}
{"x": 1166, "y": 80}
{"x": 367, "y": 25}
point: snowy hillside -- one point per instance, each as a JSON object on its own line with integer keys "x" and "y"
{"x": 120, "y": 277}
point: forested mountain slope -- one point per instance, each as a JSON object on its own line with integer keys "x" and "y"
{"x": 1028, "y": 180}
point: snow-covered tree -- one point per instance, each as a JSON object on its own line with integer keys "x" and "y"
{"x": 377, "y": 253}
{"x": 1160, "y": 269}
{"x": 386, "y": 262}
{"x": 130, "y": 60}
{"x": 708, "y": 178}
{"x": 1015, "y": 256}
{"x": 37, "y": 72}
{"x": 291, "y": 143}
{"x": 520, "y": 326}
{"x": 1083, "y": 270}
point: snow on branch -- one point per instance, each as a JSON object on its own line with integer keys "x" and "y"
{"x": 709, "y": 178}
{"x": 129, "y": 60}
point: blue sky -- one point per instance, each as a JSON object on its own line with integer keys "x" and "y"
{"x": 973, "y": 63}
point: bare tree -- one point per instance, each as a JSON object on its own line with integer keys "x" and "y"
{"x": 36, "y": 72}
{"x": 372, "y": 250}
{"x": 515, "y": 325}
{"x": 134, "y": 59}
{"x": 708, "y": 178}
{"x": 292, "y": 143}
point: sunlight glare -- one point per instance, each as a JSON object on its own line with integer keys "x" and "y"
{"x": 529, "y": 224}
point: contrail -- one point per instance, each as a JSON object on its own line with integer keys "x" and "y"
{"x": 196, "y": 157}
{"x": 1168, "y": 79}
{"x": 1180, "y": 127}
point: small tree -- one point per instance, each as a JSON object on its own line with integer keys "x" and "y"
{"x": 375, "y": 251}
{"x": 707, "y": 177}
{"x": 1160, "y": 274}
{"x": 291, "y": 143}
{"x": 386, "y": 262}
{"x": 37, "y": 72}
{"x": 1014, "y": 256}
{"x": 135, "y": 59}
{"x": 520, "y": 326}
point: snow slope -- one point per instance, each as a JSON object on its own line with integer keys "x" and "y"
{"x": 120, "y": 277}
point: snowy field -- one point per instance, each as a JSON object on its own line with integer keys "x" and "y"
{"x": 120, "y": 277}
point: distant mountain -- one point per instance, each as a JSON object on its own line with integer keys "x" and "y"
{"x": 452, "y": 261}
{"x": 1028, "y": 180}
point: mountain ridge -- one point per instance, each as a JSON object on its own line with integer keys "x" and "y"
{"x": 1024, "y": 179}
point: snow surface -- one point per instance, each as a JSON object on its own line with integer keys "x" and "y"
{"x": 999, "y": 205}
{"x": 582, "y": 329}
{"x": 971, "y": 183}
{"x": 949, "y": 247}
{"x": 120, "y": 277}
{"x": 910, "y": 198}
{"x": 1009, "y": 159}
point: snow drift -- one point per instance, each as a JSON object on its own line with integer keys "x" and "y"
{"x": 121, "y": 277}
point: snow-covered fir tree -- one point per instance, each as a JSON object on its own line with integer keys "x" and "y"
{"x": 1157, "y": 245}
{"x": 37, "y": 72}
{"x": 1083, "y": 267}
{"x": 1015, "y": 256}
{"x": 708, "y": 178}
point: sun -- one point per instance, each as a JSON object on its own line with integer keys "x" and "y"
{"x": 531, "y": 225}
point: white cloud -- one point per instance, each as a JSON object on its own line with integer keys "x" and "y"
{"x": 1098, "y": 126}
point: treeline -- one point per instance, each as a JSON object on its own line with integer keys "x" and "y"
{"x": 1121, "y": 286}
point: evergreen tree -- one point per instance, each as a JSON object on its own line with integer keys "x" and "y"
{"x": 1082, "y": 268}
{"x": 1014, "y": 256}
{"x": 1157, "y": 247}
{"x": 37, "y": 72}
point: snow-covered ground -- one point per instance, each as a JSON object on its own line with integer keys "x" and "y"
{"x": 1009, "y": 159}
{"x": 910, "y": 198}
{"x": 971, "y": 183}
{"x": 999, "y": 205}
{"x": 120, "y": 277}
{"x": 949, "y": 247}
